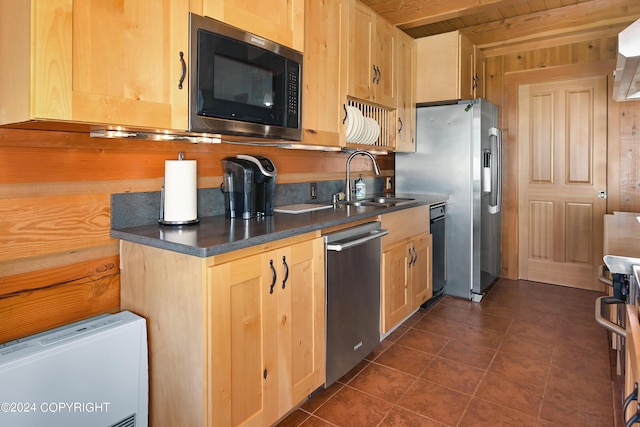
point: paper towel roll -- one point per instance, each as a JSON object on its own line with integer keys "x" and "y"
{"x": 180, "y": 191}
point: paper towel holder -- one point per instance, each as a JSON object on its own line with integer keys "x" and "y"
{"x": 162, "y": 220}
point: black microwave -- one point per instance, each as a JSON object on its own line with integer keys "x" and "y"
{"x": 242, "y": 84}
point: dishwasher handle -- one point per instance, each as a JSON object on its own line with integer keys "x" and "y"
{"x": 374, "y": 234}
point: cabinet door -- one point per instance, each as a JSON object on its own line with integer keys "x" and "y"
{"x": 300, "y": 322}
{"x": 325, "y": 72}
{"x": 445, "y": 68}
{"x": 384, "y": 59}
{"x": 421, "y": 276}
{"x": 396, "y": 299}
{"x": 406, "y": 105}
{"x": 92, "y": 64}
{"x": 466, "y": 70}
{"x": 361, "y": 61}
{"x": 281, "y": 21}
{"x": 243, "y": 371}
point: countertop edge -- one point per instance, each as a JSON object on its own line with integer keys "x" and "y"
{"x": 154, "y": 235}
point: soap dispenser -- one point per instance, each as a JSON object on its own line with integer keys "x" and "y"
{"x": 361, "y": 188}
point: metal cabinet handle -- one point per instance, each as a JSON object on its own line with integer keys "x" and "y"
{"x": 184, "y": 70}
{"x": 375, "y": 74}
{"x": 379, "y": 75}
{"x": 400, "y": 121}
{"x": 413, "y": 257}
{"x": 600, "y": 319}
{"x": 632, "y": 396}
{"x": 416, "y": 254}
{"x": 375, "y": 234}
{"x": 275, "y": 277}
{"x": 286, "y": 271}
{"x": 634, "y": 419}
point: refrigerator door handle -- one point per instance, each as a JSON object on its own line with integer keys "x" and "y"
{"x": 496, "y": 170}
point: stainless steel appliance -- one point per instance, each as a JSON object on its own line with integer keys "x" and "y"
{"x": 437, "y": 215}
{"x": 242, "y": 84}
{"x": 352, "y": 263}
{"x": 249, "y": 186}
{"x": 458, "y": 154}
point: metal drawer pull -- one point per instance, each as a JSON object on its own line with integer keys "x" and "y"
{"x": 601, "y": 277}
{"x": 609, "y": 325}
{"x": 273, "y": 272}
{"x": 375, "y": 234}
{"x": 286, "y": 271}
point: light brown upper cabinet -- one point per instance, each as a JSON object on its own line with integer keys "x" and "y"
{"x": 371, "y": 57}
{"x": 276, "y": 20}
{"x": 406, "y": 91}
{"x": 446, "y": 68}
{"x": 94, "y": 62}
{"x": 324, "y": 72}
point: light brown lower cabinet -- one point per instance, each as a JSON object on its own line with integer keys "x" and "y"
{"x": 406, "y": 264}
{"x": 235, "y": 339}
{"x": 406, "y": 279}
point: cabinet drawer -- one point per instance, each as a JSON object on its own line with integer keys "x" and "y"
{"x": 404, "y": 225}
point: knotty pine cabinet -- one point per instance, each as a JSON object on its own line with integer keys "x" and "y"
{"x": 94, "y": 62}
{"x": 324, "y": 78}
{"x": 446, "y": 68}
{"x": 281, "y": 21}
{"x": 406, "y": 92}
{"x": 234, "y": 339}
{"x": 372, "y": 71}
{"x": 406, "y": 264}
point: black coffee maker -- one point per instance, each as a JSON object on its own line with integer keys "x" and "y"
{"x": 249, "y": 186}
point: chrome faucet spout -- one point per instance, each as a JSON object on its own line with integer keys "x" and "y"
{"x": 376, "y": 169}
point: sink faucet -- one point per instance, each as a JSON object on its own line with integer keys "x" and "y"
{"x": 376, "y": 168}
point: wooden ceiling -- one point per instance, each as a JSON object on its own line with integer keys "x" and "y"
{"x": 489, "y": 23}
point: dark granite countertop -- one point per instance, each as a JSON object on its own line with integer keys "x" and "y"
{"x": 215, "y": 235}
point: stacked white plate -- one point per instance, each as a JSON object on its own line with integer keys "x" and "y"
{"x": 360, "y": 129}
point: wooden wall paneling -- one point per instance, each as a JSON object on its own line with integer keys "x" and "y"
{"x": 43, "y": 225}
{"x": 55, "y": 192}
{"x": 613, "y": 150}
{"x": 43, "y": 299}
{"x": 546, "y": 26}
{"x": 628, "y": 132}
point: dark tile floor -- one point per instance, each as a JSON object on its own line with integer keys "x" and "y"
{"x": 529, "y": 354}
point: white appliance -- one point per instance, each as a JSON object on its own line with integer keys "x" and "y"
{"x": 458, "y": 154}
{"x": 89, "y": 373}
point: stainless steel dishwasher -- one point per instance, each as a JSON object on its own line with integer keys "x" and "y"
{"x": 352, "y": 263}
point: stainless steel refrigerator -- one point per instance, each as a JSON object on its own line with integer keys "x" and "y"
{"x": 458, "y": 154}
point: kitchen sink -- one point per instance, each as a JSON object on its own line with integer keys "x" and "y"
{"x": 387, "y": 200}
{"x": 377, "y": 201}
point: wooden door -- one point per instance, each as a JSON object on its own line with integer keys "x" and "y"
{"x": 406, "y": 100}
{"x": 325, "y": 72}
{"x": 301, "y": 322}
{"x": 243, "y": 371}
{"x": 396, "y": 300}
{"x": 362, "y": 29}
{"x": 94, "y": 65}
{"x": 281, "y": 21}
{"x": 421, "y": 276}
{"x": 385, "y": 59}
{"x": 562, "y": 168}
